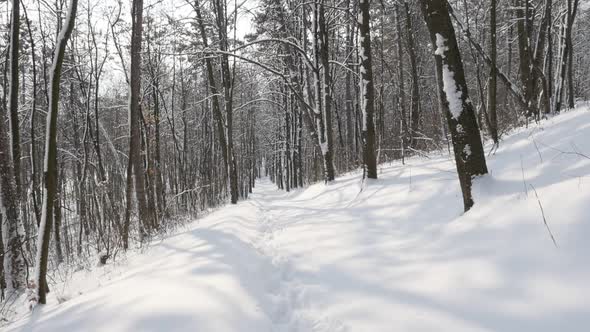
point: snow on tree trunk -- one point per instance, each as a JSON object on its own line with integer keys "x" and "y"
{"x": 322, "y": 94}
{"x": 38, "y": 288}
{"x": 457, "y": 106}
{"x": 13, "y": 93}
{"x": 12, "y": 230}
{"x": 367, "y": 91}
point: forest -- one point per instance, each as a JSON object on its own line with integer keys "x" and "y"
{"x": 123, "y": 122}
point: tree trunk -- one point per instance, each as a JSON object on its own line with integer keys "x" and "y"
{"x": 367, "y": 92}
{"x": 219, "y": 119}
{"x": 146, "y": 217}
{"x": 525, "y": 55}
{"x": 457, "y": 107}
{"x": 572, "y": 10}
{"x": 401, "y": 85}
{"x": 350, "y": 118}
{"x": 563, "y": 74}
{"x": 415, "y": 106}
{"x": 492, "y": 82}
{"x": 12, "y": 232}
{"x": 50, "y": 169}
{"x": 13, "y": 93}
{"x": 227, "y": 81}
{"x": 323, "y": 95}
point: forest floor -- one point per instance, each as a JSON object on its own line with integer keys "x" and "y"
{"x": 396, "y": 254}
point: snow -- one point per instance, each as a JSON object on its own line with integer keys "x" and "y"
{"x": 452, "y": 92}
{"x": 467, "y": 150}
{"x": 398, "y": 255}
{"x": 364, "y": 82}
{"x": 364, "y": 87}
{"x": 440, "y": 46}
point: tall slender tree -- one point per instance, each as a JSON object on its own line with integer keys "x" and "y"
{"x": 492, "y": 83}
{"x": 50, "y": 166}
{"x": 13, "y": 91}
{"x": 146, "y": 216}
{"x": 12, "y": 232}
{"x": 323, "y": 93}
{"x": 221, "y": 19}
{"x": 367, "y": 91}
{"x": 415, "y": 97}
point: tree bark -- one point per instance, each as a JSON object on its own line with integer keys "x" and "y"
{"x": 50, "y": 169}
{"x": 323, "y": 94}
{"x": 401, "y": 85}
{"x": 146, "y": 217}
{"x": 457, "y": 107}
{"x": 415, "y": 106}
{"x": 492, "y": 82}
{"x": 219, "y": 118}
{"x": 572, "y": 10}
{"x": 12, "y": 231}
{"x": 564, "y": 73}
{"x": 367, "y": 91}
{"x": 13, "y": 93}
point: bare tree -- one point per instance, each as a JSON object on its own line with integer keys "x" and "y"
{"x": 492, "y": 83}
{"x": 146, "y": 216}
{"x": 12, "y": 232}
{"x": 456, "y": 105}
{"x": 50, "y": 166}
{"x": 415, "y": 98}
{"x": 367, "y": 91}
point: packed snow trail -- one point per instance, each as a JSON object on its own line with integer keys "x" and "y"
{"x": 397, "y": 256}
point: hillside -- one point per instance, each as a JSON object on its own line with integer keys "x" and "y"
{"x": 396, "y": 254}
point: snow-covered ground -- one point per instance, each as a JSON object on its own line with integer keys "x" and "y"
{"x": 398, "y": 255}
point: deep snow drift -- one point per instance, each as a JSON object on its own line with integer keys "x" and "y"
{"x": 397, "y": 256}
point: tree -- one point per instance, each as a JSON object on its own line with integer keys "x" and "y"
{"x": 401, "y": 100}
{"x": 12, "y": 232}
{"x": 367, "y": 91}
{"x": 13, "y": 91}
{"x": 415, "y": 106}
{"x": 223, "y": 123}
{"x": 454, "y": 95}
{"x": 50, "y": 166}
{"x": 523, "y": 19}
{"x": 220, "y": 10}
{"x": 572, "y": 9}
{"x": 492, "y": 82}
{"x": 146, "y": 216}
{"x": 322, "y": 83}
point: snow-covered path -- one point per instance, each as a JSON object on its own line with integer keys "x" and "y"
{"x": 222, "y": 275}
{"x": 397, "y": 256}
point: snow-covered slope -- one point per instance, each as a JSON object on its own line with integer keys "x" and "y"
{"x": 397, "y": 256}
